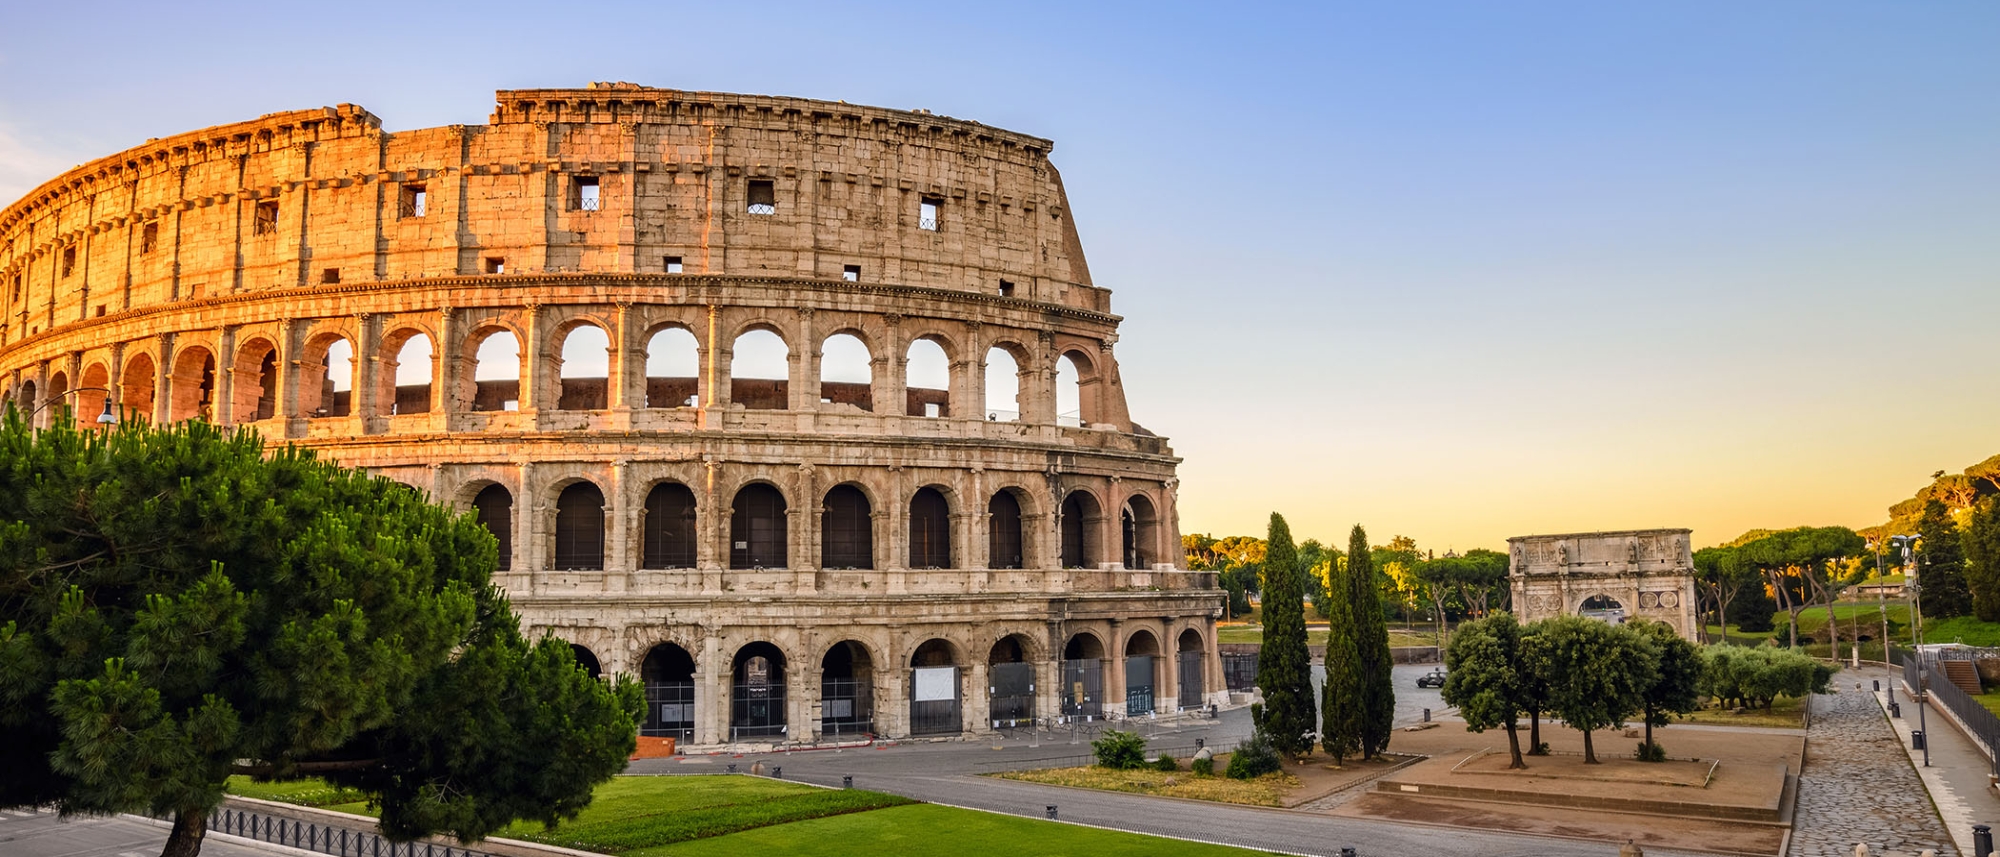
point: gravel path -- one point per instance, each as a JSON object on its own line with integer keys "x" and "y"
{"x": 1858, "y": 786}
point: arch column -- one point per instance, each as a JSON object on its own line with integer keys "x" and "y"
{"x": 802, "y": 366}
{"x": 622, "y": 383}
{"x": 618, "y": 558}
{"x": 368, "y": 359}
{"x": 962, "y": 528}
{"x": 448, "y": 368}
{"x": 1114, "y": 674}
{"x": 711, "y": 688}
{"x": 163, "y": 376}
{"x": 528, "y": 510}
{"x": 975, "y": 709}
{"x": 536, "y": 365}
{"x": 225, "y": 377}
{"x": 967, "y": 397}
{"x": 801, "y": 698}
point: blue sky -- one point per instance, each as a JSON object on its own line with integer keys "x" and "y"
{"x": 1453, "y": 270}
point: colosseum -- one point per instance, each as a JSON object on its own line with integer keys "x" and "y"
{"x": 805, "y": 413}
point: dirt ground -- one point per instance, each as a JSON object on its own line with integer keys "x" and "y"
{"x": 1319, "y": 776}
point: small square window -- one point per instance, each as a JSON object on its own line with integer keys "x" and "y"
{"x": 673, "y": 264}
{"x": 763, "y": 197}
{"x": 586, "y": 196}
{"x": 266, "y": 222}
{"x": 496, "y": 265}
{"x": 68, "y": 260}
{"x": 412, "y": 201}
{"x": 1006, "y": 288}
{"x": 928, "y": 213}
{"x": 149, "y": 237}
{"x": 100, "y": 310}
{"x": 851, "y": 273}
{"x": 330, "y": 276}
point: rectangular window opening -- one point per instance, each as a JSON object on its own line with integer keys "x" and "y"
{"x": 851, "y": 273}
{"x": 1006, "y": 288}
{"x": 673, "y": 264}
{"x": 68, "y": 260}
{"x": 585, "y": 196}
{"x": 927, "y": 213}
{"x": 100, "y": 310}
{"x": 413, "y": 201}
{"x": 496, "y": 265}
{"x": 266, "y": 222}
{"x": 330, "y": 276}
{"x": 763, "y": 197}
{"x": 149, "y": 238}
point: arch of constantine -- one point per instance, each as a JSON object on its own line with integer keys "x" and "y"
{"x": 1613, "y": 576}
{"x": 805, "y": 413}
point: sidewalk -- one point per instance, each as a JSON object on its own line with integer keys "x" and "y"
{"x": 1957, "y": 775}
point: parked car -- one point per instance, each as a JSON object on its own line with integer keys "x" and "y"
{"x": 1434, "y": 678}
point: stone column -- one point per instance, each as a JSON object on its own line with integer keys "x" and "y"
{"x": 625, "y": 375}
{"x": 448, "y": 368}
{"x": 892, "y": 400}
{"x": 618, "y": 558}
{"x": 802, "y": 363}
{"x": 711, "y": 690}
{"x": 368, "y": 361}
{"x": 535, "y": 364}
{"x": 225, "y": 377}
{"x": 528, "y": 511}
{"x": 967, "y": 399}
{"x": 975, "y": 707}
{"x": 1114, "y": 674}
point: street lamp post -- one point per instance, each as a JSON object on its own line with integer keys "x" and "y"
{"x": 103, "y": 419}
{"x": 1916, "y": 591}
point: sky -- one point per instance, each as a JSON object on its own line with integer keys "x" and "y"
{"x": 1452, "y": 270}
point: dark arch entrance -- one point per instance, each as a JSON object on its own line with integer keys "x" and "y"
{"x": 1004, "y": 547}
{"x": 580, "y": 528}
{"x": 757, "y": 528}
{"x": 1079, "y": 544}
{"x": 494, "y": 509}
{"x": 1142, "y": 652}
{"x": 757, "y": 698}
{"x": 668, "y": 675}
{"x": 1011, "y": 678}
{"x": 1083, "y": 677}
{"x": 930, "y": 530}
{"x": 586, "y": 660}
{"x": 846, "y": 533}
{"x": 934, "y": 695}
{"x": 847, "y": 690}
{"x": 669, "y": 527}
{"x": 1192, "y": 675}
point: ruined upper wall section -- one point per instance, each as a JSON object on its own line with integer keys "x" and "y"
{"x": 613, "y": 179}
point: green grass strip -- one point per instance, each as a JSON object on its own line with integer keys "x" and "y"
{"x": 621, "y": 835}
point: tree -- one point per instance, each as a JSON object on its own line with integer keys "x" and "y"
{"x": 1340, "y": 700}
{"x": 1534, "y": 686}
{"x": 1596, "y": 673}
{"x": 176, "y": 607}
{"x": 1284, "y": 664}
{"x": 1675, "y": 687}
{"x": 1981, "y": 543}
{"x": 1481, "y": 574}
{"x": 1941, "y": 564}
{"x": 1371, "y": 641}
{"x": 1486, "y": 673}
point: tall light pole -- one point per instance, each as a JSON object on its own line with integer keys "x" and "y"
{"x": 103, "y": 419}
{"x": 1882, "y": 601}
{"x": 1916, "y": 590}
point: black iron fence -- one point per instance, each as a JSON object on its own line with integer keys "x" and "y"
{"x": 1978, "y": 722}
{"x": 324, "y": 838}
{"x": 1239, "y": 670}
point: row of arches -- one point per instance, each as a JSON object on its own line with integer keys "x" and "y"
{"x": 850, "y": 528}
{"x": 1145, "y": 675}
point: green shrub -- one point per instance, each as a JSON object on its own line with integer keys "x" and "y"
{"x": 1120, "y": 751}
{"x": 1202, "y": 767}
{"x": 1651, "y": 752}
{"x": 1166, "y": 763}
{"x": 1254, "y": 758}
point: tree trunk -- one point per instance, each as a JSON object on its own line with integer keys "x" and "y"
{"x": 1832, "y": 623}
{"x": 1514, "y": 745}
{"x": 1535, "y": 733}
{"x": 1649, "y": 729}
{"x": 190, "y": 825}
{"x": 1589, "y": 752}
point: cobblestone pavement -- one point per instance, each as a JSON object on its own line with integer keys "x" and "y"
{"x": 1858, "y": 786}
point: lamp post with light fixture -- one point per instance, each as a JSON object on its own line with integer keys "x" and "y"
{"x": 106, "y": 418}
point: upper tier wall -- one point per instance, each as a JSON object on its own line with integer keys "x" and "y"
{"x": 316, "y": 196}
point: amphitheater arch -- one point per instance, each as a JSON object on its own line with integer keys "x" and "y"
{"x": 757, "y": 692}
{"x": 1005, "y": 387}
{"x": 847, "y": 370}
{"x": 582, "y": 367}
{"x": 673, "y": 367}
{"x": 669, "y": 526}
{"x": 1076, "y": 389}
{"x": 759, "y": 534}
{"x": 136, "y": 386}
{"x": 930, "y": 529}
{"x": 326, "y": 378}
{"x": 668, "y": 675}
{"x": 1006, "y": 533}
{"x": 935, "y": 694}
{"x": 579, "y": 527}
{"x": 1139, "y": 530}
{"x": 586, "y": 659}
{"x": 927, "y": 378}
{"x": 92, "y": 393}
{"x": 1080, "y": 522}
{"x": 409, "y": 372}
{"x": 847, "y": 689}
{"x": 1142, "y": 671}
{"x": 191, "y": 388}
{"x": 1191, "y": 667}
{"x": 58, "y": 388}
{"x": 494, "y": 384}
{"x": 1010, "y": 679}
{"x": 493, "y": 508}
{"x": 847, "y": 528}
{"x": 254, "y": 390}
{"x": 1082, "y": 685}
{"x": 760, "y": 370}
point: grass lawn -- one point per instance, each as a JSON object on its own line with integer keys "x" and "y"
{"x": 924, "y": 830}
{"x": 1990, "y": 699}
{"x": 1786, "y": 712}
{"x": 1267, "y": 790}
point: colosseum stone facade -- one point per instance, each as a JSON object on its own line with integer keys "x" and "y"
{"x": 806, "y": 413}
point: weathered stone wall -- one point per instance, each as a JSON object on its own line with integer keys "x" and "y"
{"x": 216, "y": 274}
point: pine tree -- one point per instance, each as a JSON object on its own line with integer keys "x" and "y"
{"x": 1941, "y": 564}
{"x": 1340, "y": 702}
{"x": 1378, "y": 688}
{"x": 1284, "y": 664}
{"x": 1982, "y": 554}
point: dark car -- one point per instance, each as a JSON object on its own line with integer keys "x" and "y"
{"x": 1434, "y": 678}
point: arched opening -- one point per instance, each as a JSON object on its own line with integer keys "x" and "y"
{"x": 255, "y": 394}
{"x": 493, "y": 507}
{"x": 1004, "y": 545}
{"x": 673, "y": 369}
{"x": 846, "y": 372}
{"x": 847, "y": 690}
{"x": 927, "y": 380}
{"x": 668, "y": 676}
{"x": 496, "y": 372}
{"x": 1142, "y": 652}
{"x": 334, "y": 396}
{"x": 930, "y": 530}
{"x": 669, "y": 527}
{"x": 25, "y": 398}
{"x": 758, "y": 368}
{"x": 1003, "y": 386}
{"x": 586, "y": 660}
{"x": 1192, "y": 674}
{"x": 1011, "y": 677}
{"x": 58, "y": 387}
{"x": 1083, "y": 677}
{"x": 934, "y": 696}
{"x": 580, "y": 528}
{"x": 846, "y": 531}
{"x": 1080, "y": 516}
{"x": 757, "y": 704}
{"x": 1069, "y": 392}
{"x": 135, "y": 388}
{"x": 1139, "y": 531}
{"x": 191, "y": 388}
{"x": 411, "y": 374}
{"x": 1603, "y": 608}
{"x": 757, "y": 528}
{"x": 92, "y": 393}
{"x": 583, "y": 372}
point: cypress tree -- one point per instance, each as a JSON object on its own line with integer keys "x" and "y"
{"x": 1941, "y": 564}
{"x": 1284, "y": 665}
{"x": 1340, "y": 703}
{"x": 1371, "y": 640}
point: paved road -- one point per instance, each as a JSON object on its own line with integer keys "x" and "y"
{"x": 26, "y": 834}
{"x": 1858, "y": 786}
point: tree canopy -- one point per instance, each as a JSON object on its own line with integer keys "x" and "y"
{"x": 1284, "y": 664}
{"x": 1488, "y": 677}
{"x": 176, "y": 606}
{"x": 1596, "y": 673}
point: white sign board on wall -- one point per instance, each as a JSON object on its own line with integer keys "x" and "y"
{"x": 936, "y": 684}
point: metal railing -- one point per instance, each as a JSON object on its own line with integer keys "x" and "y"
{"x": 1975, "y": 719}
{"x": 324, "y": 838}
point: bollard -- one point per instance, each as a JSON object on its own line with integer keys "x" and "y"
{"x": 1982, "y": 840}
{"x": 732, "y": 767}
{"x": 1916, "y": 739}
{"x": 1346, "y": 852}
{"x": 847, "y": 781}
{"x": 1895, "y": 709}
{"x": 777, "y": 772}
{"x": 1427, "y": 715}
{"x": 1878, "y": 685}
{"x": 1860, "y": 849}
{"x": 1052, "y": 812}
{"x": 1892, "y": 692}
